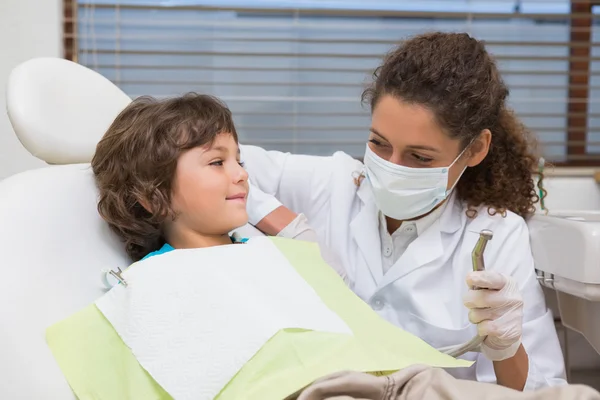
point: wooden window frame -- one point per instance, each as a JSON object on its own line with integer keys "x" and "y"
{"x": 579, "y": 82}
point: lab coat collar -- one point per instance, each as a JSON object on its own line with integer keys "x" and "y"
{"x": 365, "y": 230}
{"x": 426, "y": 248}
{"x": 364, "y": 192}
{"x": 423, "y": 250}
{"x": 453, "y": 217}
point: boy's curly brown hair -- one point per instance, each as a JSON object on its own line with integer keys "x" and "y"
{"x": 135, "y": 162}
{"x": 453, "y": 75}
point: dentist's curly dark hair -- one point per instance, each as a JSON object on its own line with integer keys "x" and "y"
{"x": 453, "y": 75}
{"x": 135, "y": 162}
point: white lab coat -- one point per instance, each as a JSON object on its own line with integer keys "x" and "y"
{"x": 422, "y": 292}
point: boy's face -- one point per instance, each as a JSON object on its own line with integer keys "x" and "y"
{"x": 210, "y": 189}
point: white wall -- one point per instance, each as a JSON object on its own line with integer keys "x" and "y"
{"x": 28, "y": 28}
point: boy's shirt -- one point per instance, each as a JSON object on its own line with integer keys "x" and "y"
{"x": 164, "y": 249}
{"x": 167, "y": 247}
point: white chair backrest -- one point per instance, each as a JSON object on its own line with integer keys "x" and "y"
{"x": 53, "y": 246}
{"x": 60, "y": 109}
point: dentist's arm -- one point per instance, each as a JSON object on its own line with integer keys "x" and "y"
{"x": 301, "y": 183}
{"x": 267, "y": 213}
{"x": 274, "y": 222}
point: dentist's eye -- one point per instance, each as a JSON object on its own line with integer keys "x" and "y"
{"x": 422, "y": 159}
{"x": 375, "y": 142}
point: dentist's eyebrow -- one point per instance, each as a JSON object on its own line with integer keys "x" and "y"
{"x": 378, "y": 134}
{"x": 427, "y": 148}
{"x": 411, "y": 147}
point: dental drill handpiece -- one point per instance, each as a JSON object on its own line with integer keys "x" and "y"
{"x": 478, "y": 265}
{"x": 477, "y": 254}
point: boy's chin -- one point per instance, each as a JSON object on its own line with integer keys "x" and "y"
{"x": 239, "y": 221}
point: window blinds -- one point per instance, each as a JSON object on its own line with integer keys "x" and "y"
{"x": 292, "y": 71}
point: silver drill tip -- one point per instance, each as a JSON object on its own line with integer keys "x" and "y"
{"x": 487, "y": 234}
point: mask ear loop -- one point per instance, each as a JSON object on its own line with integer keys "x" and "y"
{"x": 463, "y": 152}
{"x": 454, "y": 162}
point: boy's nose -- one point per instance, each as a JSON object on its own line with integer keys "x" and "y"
{"x": 240, "y": 174}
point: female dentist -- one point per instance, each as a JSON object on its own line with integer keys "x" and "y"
{"x": 445, "y": 159}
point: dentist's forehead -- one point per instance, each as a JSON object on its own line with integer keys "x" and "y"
{"x": 404, "y": 124}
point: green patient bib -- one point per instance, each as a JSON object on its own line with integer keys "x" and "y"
{"x": 99, "y": 366}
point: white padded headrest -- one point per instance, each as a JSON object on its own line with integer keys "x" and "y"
{"x": 60, "y": 109}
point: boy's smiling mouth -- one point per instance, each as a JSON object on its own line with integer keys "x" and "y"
{"x": 238, "y": 197}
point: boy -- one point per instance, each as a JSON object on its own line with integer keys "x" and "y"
{"x": 170, "y": 176}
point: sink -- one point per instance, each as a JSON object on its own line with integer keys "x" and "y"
{"x": 566, "y": 249}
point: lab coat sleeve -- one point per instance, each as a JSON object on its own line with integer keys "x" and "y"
{"x": 539, "y": 338}
{"x": 300, "y": 182}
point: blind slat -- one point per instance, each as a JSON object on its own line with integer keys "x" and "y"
{"x": 311, "y": 55}
{"x": 340, "y": 12}
{"x": 399, "y": 29}
{"x": 328, "y": 99}
{"x": 541, "y": 130}
{"x": 215, "y": 38}
{"x": 303, "y": 69}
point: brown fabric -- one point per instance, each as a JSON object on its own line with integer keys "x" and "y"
{"x": 421, "y": 382}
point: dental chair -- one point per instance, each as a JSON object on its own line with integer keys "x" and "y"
{"x": 54, "y": 245}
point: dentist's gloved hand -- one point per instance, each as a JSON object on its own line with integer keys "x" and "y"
{"x": 496, "y": 306}
{"x": 259, "y": 204}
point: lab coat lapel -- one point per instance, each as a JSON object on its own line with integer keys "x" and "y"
{"x": 428, "y": 246}
{"x": 365, "y": 230}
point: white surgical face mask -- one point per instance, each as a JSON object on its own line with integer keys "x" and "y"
{"x": 404, "y": 193}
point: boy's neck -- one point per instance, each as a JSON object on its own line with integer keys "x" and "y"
{"x": 194, "y": 240}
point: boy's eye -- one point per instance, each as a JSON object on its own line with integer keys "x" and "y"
{"x": 218, "y": 163}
